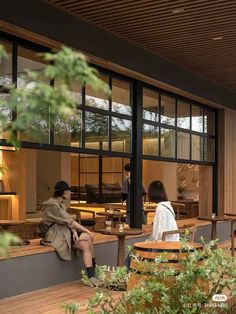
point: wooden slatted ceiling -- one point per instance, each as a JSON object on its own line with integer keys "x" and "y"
{"x": 181, "y": 31}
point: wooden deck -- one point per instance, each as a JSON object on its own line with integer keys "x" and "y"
{"x": 49, "y": 300}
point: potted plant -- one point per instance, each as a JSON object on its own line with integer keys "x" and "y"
{"x": 180, "y": 189}
{"x": 201, "y": 278}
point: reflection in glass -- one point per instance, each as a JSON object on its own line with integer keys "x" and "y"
{"x": 183, "y": 145}
{"x": 209, "y": 122}
{"x": 167, "y": 110}
{"x": 121, "y": 97}
{"x": 38, "y": 131}
{"x": 197, "y": 147}
{"x": 6, "y": 65}
{"x": 150, "y": 140}
{"x": 121, "y": 135}
{"x": 67, "y": 131}
{"x": 197, "y": 118}
{"x": 150, "y": 105}
{"x": 28, "y": 60}
{"x": 4, "y": 112}
{"x": 209, "y": 149}
{"x": 167, "y": 143}
{"x": 96, "y": 131}
{"x": 97, "y": 98}
{"x": 183, "y": 115}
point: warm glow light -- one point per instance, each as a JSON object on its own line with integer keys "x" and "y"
{"x": 177, "y": 11}
{"x": 8, "y": 148}
{"x": 218, "y": 38}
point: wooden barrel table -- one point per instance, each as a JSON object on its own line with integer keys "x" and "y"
{"x": 147, "y": 252}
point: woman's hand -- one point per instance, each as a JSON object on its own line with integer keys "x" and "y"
{"x": 75, "y": 236}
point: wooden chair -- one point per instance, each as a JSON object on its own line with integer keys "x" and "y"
{"x": 233, "y": 222}
{"x": 180, "y": 209}
{"x": 182, "y": 232}
{"x": 89, "y": 222}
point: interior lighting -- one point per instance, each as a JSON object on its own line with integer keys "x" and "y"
{"x": 177, "y": 11}
{"x": 218, "y": 38}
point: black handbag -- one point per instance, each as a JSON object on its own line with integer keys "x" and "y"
{"x": 43, "y": 228}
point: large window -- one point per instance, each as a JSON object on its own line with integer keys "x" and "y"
{"x": 5, "y": 79}
{"x": 173, "y": 127}
{"x": 187, "y": 130}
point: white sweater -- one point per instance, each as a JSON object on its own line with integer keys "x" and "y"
{"x": 164, "y": 221}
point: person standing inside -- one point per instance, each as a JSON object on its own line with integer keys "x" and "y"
{"x": 65, "y": 233}
{"x": 126, "y": 193}
{"x": 164, "y": 219}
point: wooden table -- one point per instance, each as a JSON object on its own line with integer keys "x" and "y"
{"x": 121, "y": 241}
{"x": 111, "y": 215}
{"x": 8, "y": 223}
{"x": 214, "y": 221}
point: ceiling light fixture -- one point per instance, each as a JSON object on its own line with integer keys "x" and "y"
{"x": 177, "y": 11}
{"x": 218, "y": 38}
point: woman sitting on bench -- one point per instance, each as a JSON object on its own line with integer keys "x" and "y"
{"x": 64, "y": 233}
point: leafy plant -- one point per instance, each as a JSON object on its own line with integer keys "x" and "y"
{"x": 113, "y": 279}
{"x": 181, "y": 189}
{"x": 7, "y": 239}
{"x": 72, "y": 308}
{"x": 37, "y": 103}
{"x": 186, "y": 290}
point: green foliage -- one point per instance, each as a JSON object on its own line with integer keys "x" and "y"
{"x": 38, "y": 104}
{"x": 7, "y": 239}
{"x": 71, "y": 68}
{"x": 72, "y": 308}
{"x": 113, "y": 279}
{"x": 3, "y": 54}
{"x": 187, "y": 290}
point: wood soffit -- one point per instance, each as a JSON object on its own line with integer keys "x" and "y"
{"x": 199, "y": 35}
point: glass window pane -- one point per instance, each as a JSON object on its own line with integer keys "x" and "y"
{"x": 150, "y": 140}
{"x": 197, "y": 147}
{"x": 121, "y": 97}
{"x": 67, "y": 132}
{"x": 167, "y": 110}
{"x": 167, "y": 143}
{"x": 183, "y": 145}
{"x": 121, "y": 135}
{"x": 112, "y": 164}
{"x": 6, "y": 65}
{"x": 4, "y": 111}
{"x": 89, "y": 163}
{"x": 209, "y": 149}
{"x": 28, "y": 60}
{"x": 96, "y": 131}
{"x": 209, "y": 121}
{"x": 150, "y": 105}
{"x": 183, "y": 115}
{"x": 197, "y": 118}
{"x": 97, "y": 98}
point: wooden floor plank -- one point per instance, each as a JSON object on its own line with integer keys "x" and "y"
{"x": 49, "y": 300}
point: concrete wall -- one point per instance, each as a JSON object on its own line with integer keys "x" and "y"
{"x": 31, "y": 273}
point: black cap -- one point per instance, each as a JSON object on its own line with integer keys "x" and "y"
{"x": 62, "y": 186}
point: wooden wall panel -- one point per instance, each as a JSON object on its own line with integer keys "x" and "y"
{"x": 205, "y": 191}
{"x": 229, "y": 156}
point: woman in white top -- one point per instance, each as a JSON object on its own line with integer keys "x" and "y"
{"x": 165, "y": 216}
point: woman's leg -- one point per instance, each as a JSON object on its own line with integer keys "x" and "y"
{"x": 86, "y": 237}
{"x": 84, "y": 246}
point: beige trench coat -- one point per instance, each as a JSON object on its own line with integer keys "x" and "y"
{"x": 59, "y": 235}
